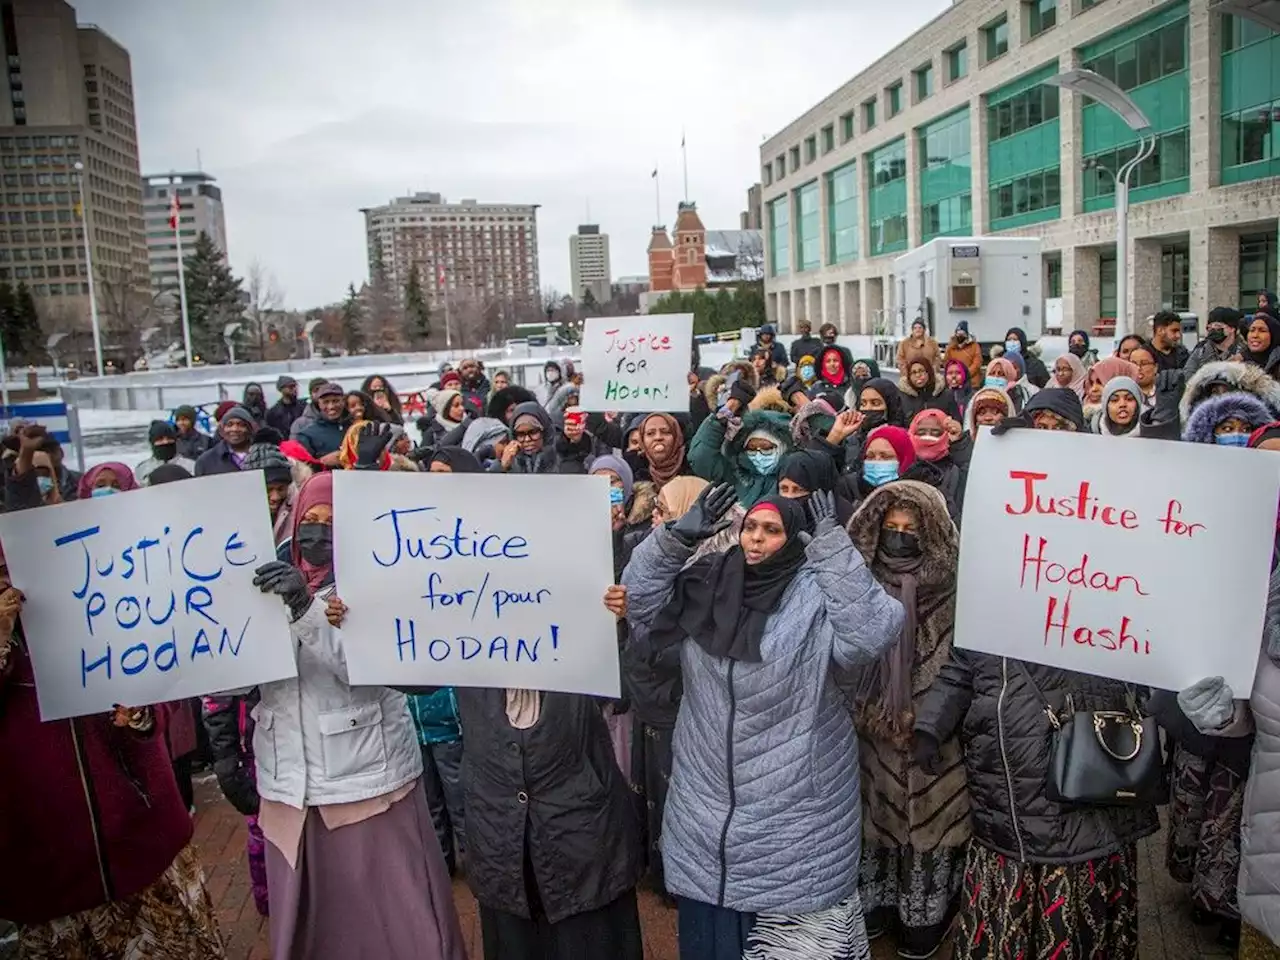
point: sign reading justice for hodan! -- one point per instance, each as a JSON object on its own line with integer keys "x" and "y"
{"x": 148, "y": 595}
{"x": 637, "y": 364}
{"x": 1146, "y": 561}
{"x": 476, "y": 580}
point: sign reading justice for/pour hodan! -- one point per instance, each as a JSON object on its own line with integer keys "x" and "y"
{"x": 637, "y": 364}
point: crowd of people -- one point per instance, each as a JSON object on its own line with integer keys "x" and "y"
{"x": 800, "y": 761}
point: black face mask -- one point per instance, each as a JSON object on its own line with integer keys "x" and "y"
{"x": 829, "y": 341}
{"x": 315, "y": 543}
{"x": 165, "y": 452}
{"x": 899, "y": 545}
{"x": 872, "y": 419}
{"x": 1078, "y": 349}
{"x": 636, "y": 461}
{"x": 1217, "y": 336}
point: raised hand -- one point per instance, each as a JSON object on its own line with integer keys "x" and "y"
{"x": 822, "y": 508}
{"x": 287, "y": 582}
{"x": 706, "y": 517}
{"x": 371, "y": 442}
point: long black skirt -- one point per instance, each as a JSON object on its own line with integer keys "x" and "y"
{"x": 611, "y": 932}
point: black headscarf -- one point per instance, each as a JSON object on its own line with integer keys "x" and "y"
{"x": 167, "y": 473}
{"x": 457, "y": 459}
{"x": 1065, "y": 403}
{"x": 892, "y": 399}
{"x": 811, "y": 469}
{"x": 1273, "y": 327}
{"x": 722, "y": 603}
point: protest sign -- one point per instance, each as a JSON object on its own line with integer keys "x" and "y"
{"x": 148, "y": 595}
{"x": 637, "y": 364}
{"x": 476, "y": 580}
{"x": 1142, "y": 561}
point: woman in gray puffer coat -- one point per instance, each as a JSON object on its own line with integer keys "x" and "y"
{"x": 761, "y": 836}
{"x": 1039, "y": 875}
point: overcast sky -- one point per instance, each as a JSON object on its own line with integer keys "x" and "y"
{"x": 308, "y": 110}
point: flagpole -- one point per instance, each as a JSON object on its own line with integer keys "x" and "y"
{"x": 182, "y": 291}
{"x": 657, "y": 197}
{"x": 684, "y": 153}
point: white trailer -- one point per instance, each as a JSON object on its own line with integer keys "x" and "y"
{"x": 993, "y": 282}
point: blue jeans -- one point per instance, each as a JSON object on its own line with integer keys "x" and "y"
{"x": 442, "y": 778}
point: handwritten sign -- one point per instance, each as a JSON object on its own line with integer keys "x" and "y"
{"x": 148, "y": 595}
{"x": 1145, "y": 562}
{"x": 476, "y": 580}
{"x": 637, "y": 364}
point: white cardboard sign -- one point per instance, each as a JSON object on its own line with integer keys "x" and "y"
{"x": 148, "y": 595}
{"x": 476, "y": 580}
{"x": 637, "y": 364}
{"x": 1144, "y": 561}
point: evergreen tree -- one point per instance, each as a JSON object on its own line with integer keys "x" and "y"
{"x": 8, "y": 321}
{"x": 416, "y": 312}
{"x": 23, "y": 338}
{"x": 352, "y": 334}
{"x": 214, "y": 298}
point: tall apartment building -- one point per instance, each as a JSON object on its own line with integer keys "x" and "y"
{"x": 199, "y": 211}
{"x": 589, "y": 263}
{"x": 466, "y": 250}
{"x": 66, "y": 111}
{"x": 955, "y": 133}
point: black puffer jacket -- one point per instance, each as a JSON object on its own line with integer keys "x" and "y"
{"x": 554, "y": 789}
{"x": 1006, "y": 738}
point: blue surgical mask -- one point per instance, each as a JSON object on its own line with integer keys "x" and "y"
{"x": 806, "y": 372}
{"x": 878, "y": 472}
{"x": 1232, "y": 439}
{"x": 617, "y": 496}
{"x": 103, "y": 491}
{"x": 998, "y": 383}
{"x": 45, "y": 484}
{"x": 764, "y": 462}
{"x": 1013, "y": 346}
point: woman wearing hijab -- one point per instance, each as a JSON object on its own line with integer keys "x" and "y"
{"x": 1100, "y": 374}
{"x": 1023, "y": 383}
{"x": 1070, "y": 374}
{"x": 942, "y": 443}
{"x": 454, "y": 460}
{"x": 662, "y": 445}
{"x": 1015, "y": 341}
{"x": 348, "y": 828}
{"x": 761, "y": 858}
{"x": 805, "y": 472}
{"x": 106, "y": 479}
{"x": 989, "y": 406}
{"x": 1078, "y": 345}
{"x": 921, "y": 390}
{"x": 1117, "y": 414}
{"x": 916, "y": 824}
{"x": 1003, "y": 374}
{"x": 1051, "y": 409}
{"x": 744, "y": 447}
{"x": 956, "y": 377}
{"x": 832, "y": 372}
{"x": 1262, "y": 343}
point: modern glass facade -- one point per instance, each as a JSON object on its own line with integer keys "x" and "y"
{"x": 842, "y": 213}
{"x": 1023, "y": 152}
{"x": 1175, "y": 277}
{"x": 946, "y": 177}
{"x": 887, "y": 198}
{"x": 957, "y": 62}
{"x": 808, "y": 227}
{"x": 1250, "y": 101}
{"x": 1148, "y": 60}
{"x": 780, "y": 236}
{"x": 1258, "y": 255}
{"x": 1040, "y": 16}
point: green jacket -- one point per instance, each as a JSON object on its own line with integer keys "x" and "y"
{"x": 717, "y": 460}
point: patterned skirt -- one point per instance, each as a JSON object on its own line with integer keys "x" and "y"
{"x": 837, "y": 933}
{"x": 1205, "y": 816}
{"x": 920, "y": 888}
{"x": 1254, "y": 946}
{"x": 1037, "y": 911}
{"x": 173, "y": 919}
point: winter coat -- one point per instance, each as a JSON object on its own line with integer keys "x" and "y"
{"x": 1007, "y": 738}
{"x": 909, "y": 349}
{"x": 228, "y": 720}
{"x": 321, "y": 437}
{"x": 941, "y": 399}
{"x": 969, "y": 353}
{"x": 435, "y": 716}
{"x": 282, "y": 416}
{"x": 310, "y": 414}
{"x": 806, "y": 346}
{"x": 69, "y": 484}
{"x": 764, "y": 809}
{"x": 192, "y": 445}
{"x": 320, "y": 740}
{"x": 144, "y": 469}
{"x": 89, "y": 812}
{"x": 718, "y": 452}
{"x": 1175, "y": 359}
{"x": 553, "y": 791}
{"x": 217, "y": 459}
{"x": 1237, "y": 376}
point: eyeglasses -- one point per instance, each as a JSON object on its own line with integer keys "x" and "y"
{"x": 528, "y": 434}
{"x": 1143, "y": 364}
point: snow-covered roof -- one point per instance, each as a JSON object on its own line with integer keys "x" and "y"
{"x": 729, "y": 243}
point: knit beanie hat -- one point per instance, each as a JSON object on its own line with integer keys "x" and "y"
{"x": 618, "y": 466}
{"x": 221, "y": 409}
{"x": 161, "y": 430}
{"x": 235, "y": 412}
{"x": 268, "y": 459}
{"x": 316, "y": 382}
{"x": 186, "y": 410}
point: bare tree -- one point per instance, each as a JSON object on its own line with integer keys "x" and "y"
{"x": 127, "y": 310}
{"x": 265, "y": 299}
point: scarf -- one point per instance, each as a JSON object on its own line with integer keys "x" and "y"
{"x": 524, "y": 707}
{"x": 124, "y": 477}
{"x": 669, "y": 465}
{"x": 317, "y": 491}
{"x": 1119, "y": 385}
{"x": 679, "y": 494}
{"x": 1273, "y": 327}
{"x": 1078, "y": 374}
{"x": 935, "y": 449}
{"x": 888, "y": 691}
{"x": 836, "y": 380}
{"x": 722, "y": 603}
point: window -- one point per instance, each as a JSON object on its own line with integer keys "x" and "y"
{"x": 1028, "y": 194}
{"x": 1039, "y": 16}
{"x": 795, "y": 159}
{"x": 957, "y": 62}
{"x": 1021, "y": 112}
{"x": 893, "y": 99}
{"x": 1238, "y": 32}
{"x": 1250, "y": 136}
{"x": 1175, "y": 277}
{"x": 766, "y": 174}
{"x": 810, "y": 149}
{"x": 828, "y": 138}
{"x": 1170, "y": 162}
{"x": 924, "y": 82}
{"x": 846, "y": 127}
{"x": 1086, "y": 4}
{"x": 1151, "y": 57}
{"x": 946, "y": 177}
{"x": 808, "y": 227}
{"x": 995, "y": 39}
{"x": 869, "y": 115}
{"x": 779, "y": 236}
{"x": 1053, "y": 275}
{"x": 1258, "y": 257}
{"x": 780, "y": 166}
{"x": 887, "y": 198}
{"x": 842, "y": 214}
{"x": 1107, "y": 283}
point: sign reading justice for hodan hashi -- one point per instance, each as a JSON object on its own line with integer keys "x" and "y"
{"x": 1146, "y": 562}
{"x": 476, "y": 580}
{"x": 148, "y": 595}
{"x": 637, "y": 364}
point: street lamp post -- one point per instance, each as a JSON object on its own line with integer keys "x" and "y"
{"x": 88, "y": 262}
{"x": 1099, "y": 88}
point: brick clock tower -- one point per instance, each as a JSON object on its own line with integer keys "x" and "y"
{"x": 661, "y": 261}
{"x": 690, "y": 250}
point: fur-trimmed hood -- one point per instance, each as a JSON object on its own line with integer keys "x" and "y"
{"x": 1211, "y": 412}
{"x": 770, "y": 398}
{"x": 813, "y": 419}
{"x": 1245, "y": 377}
{"x": 939, "y": 540}
{"x": 644, "y": 495}
{"x": 985, "y": 393}
{"x": 746, "y": 373}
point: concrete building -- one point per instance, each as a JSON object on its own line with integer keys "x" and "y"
{"x": 67, "y": 103}
{"x": 752, "y": 218}
{"x": 462, "y": 251}
{"x": 700, "y": 258}
{"x": 589, "y": 263}
{"x": 199, "y": 211}
{"x": 955, "y": 133}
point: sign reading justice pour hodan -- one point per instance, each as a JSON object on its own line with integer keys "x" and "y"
{"x": 476, "y": 580}
{"x": 1143, "y": 561}
{"x": 637, "y": 364}
{"x": 148, "y": 595}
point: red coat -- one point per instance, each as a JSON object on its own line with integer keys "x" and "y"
{"x": 67, "y": 782}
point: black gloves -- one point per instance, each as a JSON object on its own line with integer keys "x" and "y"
{"x": 927, "y": 753}
{"x": 287, "y": 582}
{"x": 371, "y": 442}
{"x": 822, "y": 508}
{"x": 237, "y": 785}
{"x": 706, "y": 517}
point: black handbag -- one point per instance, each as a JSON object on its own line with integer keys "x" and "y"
{"x": 1104, "y": 757}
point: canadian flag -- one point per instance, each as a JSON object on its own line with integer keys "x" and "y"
{"x": 174, "y": 207}
{"x": 440, "y": 276}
